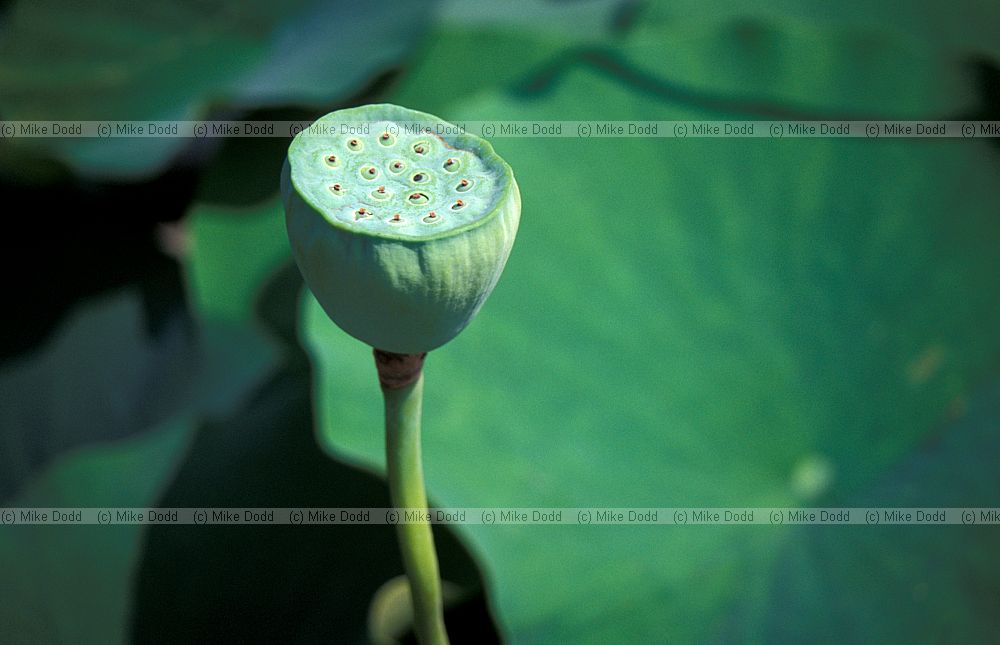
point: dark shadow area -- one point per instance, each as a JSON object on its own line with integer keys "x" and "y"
{"x": 68, "y": 240}
{"x": 987, "y": 76}
{"x": 289, "y": 584}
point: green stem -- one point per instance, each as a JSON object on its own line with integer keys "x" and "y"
{"x": 406, "y": 486}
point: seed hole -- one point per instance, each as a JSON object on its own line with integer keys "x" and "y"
{"x": 420, "y": 147}
{"x": 431, "y": 218}
{"x": 451, "y": 164}
{"x": 354, "y": 145}
{"x": 381, "y": 193}
{"x": 396, "y": 219}
{"x": 336, "y": 189}
{"x": 419, "y": 177}
{"x": 386, "y": 139}
{"x": 417, "y": 198}
{"x": 458, "y": 205}
{"x": 396, "y": 167}
{"x": 463, "y": 185}
{"x": 362, "y": 213}
{"x": 332, "y": 160}
{"x": 369, "y": 172}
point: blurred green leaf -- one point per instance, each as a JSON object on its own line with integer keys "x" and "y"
{"x": 234, "y": 250}
{"x": 104, "y": 377}
{"x": 72, "y": 584}
{"x": 573, "y": 20}
{"x": 774, "y": 65}
{"x": 499, "y": 43}
{"x": 758, "y": 64}
{"x": 119, "y": 60}
{"x": 940, "y": 582}
{"x": 699, "y": 323}
{"x": 99, "y": 417}
{"x": 952, "y": 31}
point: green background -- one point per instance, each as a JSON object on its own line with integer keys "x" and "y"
{"x": 700, "y": 322}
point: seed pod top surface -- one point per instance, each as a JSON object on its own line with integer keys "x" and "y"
{"x": 400, "y": 223}
{"x": 377, "y": 173}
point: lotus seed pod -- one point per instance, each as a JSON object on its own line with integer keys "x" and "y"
{"x": 401, "y": 233}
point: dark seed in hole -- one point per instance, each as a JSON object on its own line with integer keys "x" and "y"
{"x": 418, "y": 177}
{"x": 432, "y": 214}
